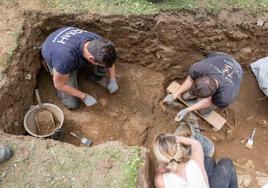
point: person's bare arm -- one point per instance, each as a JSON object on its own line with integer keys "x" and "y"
{"x": 196, "y": 148}
{"x": 159, "y": 181}
{"x": 60, "y": 83}
{"x": 187, "y": 84}
{"x": 112, "y": 72}
{"x": 196, "y": 152}
{"x": 202, "y": 104}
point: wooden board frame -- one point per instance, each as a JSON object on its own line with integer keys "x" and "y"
{"x": 214, "y": 119}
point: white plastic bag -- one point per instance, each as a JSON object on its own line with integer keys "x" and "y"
{"x": 260, "y": 69}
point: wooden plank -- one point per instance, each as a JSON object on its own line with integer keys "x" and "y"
{"x": 214, "y": 119}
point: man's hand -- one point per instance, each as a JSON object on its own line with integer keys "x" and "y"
{"x": 112, "y": 86}
{"x": 169, "y": 99}
{"x": 89, "y": 100}
{"x": 181, "y": 114}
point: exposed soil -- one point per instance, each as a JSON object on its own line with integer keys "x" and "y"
{"x": 126, "y": 116}
{"x": 11, "y": 22}
{"x": 134, "y": 115}
{"x": 249, "y": 113}
{"x": 153, "y": 50}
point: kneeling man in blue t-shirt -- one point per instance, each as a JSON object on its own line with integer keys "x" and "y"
{"x": 68, "y": 49}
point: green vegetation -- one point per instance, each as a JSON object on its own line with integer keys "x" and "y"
{"x": 248, "y": 4}
{"x": 117, "y": 6}
{"x": 131, "y": 168}
{"x": 147, "y": 7}
{"x": 62, "y": 165}
{"x": 128, "y": 167}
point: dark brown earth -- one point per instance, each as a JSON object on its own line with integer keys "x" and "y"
{"x": 153, "y": 50}
{"x": 123, "y": 116}
{"x": 45, "y": 122}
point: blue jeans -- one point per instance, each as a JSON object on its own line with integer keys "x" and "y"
{"x": 221, "y": 174}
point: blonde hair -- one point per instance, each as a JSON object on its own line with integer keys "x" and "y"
{"x": 169, "y": 152}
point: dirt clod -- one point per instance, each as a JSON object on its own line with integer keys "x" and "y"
{"x": 229, "y": 134}
{"x": 250, "y": 164}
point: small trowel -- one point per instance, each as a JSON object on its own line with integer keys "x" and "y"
{"x": 83, "y": 140}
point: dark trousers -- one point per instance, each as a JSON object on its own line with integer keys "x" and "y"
{"x": 221, "y": 174}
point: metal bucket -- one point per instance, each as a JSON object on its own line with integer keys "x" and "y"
{"x": 30, "y": 124}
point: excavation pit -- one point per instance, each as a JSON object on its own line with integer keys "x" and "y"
{"x": 125, "y": 116}
{"x": 153, "y": 50}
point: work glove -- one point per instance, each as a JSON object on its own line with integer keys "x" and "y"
{"x": 112, "y": 86}
{"x": 181, "y": 114}
{"x": 89, "y": 100}
{"x": 169, "y": 99}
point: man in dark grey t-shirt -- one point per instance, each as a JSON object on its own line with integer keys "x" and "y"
{"x": 215, "y": 80}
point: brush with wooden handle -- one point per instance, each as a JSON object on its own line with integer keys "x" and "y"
{"x": 250, "y": 142}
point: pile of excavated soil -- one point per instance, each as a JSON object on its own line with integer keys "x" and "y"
{"x": 46, "y": 163}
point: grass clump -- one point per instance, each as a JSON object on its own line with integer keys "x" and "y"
{"x": 148, "y": 7}
{"x": 215, "y": 6}
{"x": 118, "y": 6}
{"x": 132, "y": 167}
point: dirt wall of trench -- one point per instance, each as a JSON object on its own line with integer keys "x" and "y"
{"x": 166, "y": 42}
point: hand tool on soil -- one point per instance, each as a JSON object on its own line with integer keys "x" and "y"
{"x": 216, "y": 120}
{"x": 43, "y": 117}
{"x": 83, "y": 140}
{"x": 250, "y": 142}
{"x": 242, "y": 141}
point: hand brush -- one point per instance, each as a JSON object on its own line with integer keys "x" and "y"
{"x": 250, "y": 142}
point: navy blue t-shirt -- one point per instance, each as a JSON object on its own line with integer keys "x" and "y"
{"x": 226, "y": 71}
{"x": 62, "y": 49}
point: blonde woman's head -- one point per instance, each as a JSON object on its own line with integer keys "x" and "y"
{"x": 168, "y": 151}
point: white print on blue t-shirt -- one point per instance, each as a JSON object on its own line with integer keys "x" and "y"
{"x": 228, "y": 70}
{"x": 64, "y": 35}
